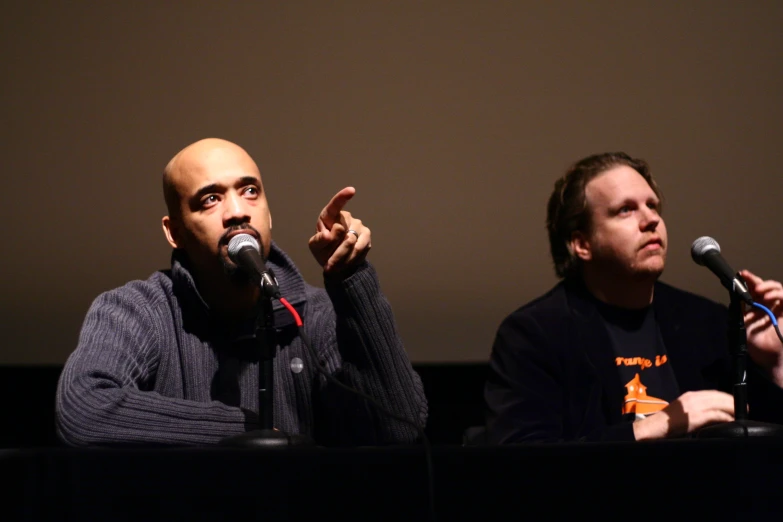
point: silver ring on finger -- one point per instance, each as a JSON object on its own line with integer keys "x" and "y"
{"x": 355, "y": 233}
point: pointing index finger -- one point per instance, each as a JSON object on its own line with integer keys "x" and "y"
{"x": 331, "y": 212}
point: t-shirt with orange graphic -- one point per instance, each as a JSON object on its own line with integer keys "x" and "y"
{"x": 640, "y": 357}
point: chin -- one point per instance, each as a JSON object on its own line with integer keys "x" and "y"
{"x": 650, "y": 270}
{"x": 235, "y": 275}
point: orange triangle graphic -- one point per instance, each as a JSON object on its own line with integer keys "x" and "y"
{"x": 637, "y": 401}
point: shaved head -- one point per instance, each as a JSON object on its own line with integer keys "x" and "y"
{"x": 192, "y": 157}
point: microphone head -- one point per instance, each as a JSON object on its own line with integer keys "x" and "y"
{"x": 240, "y": 241}
{"x": 701, "y": 247}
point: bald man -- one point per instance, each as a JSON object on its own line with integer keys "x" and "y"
{"x": 167, "y": 361}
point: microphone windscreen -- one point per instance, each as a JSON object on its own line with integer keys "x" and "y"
{"x": 701, "y": 246}
{"x": 240, "y": 241}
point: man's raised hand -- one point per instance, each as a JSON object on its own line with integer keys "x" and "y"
{"x": 341, "y": 241}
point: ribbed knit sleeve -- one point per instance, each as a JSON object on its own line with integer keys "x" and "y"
{"x": 104, "y": 394}
{"x": 369, "y": 355}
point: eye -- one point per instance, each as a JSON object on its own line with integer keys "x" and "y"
{"x": 209, "y": 200}
{"x": 624, "y": 209}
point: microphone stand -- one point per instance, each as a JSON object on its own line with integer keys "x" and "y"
{"x": 267, "y": 436}
{"x": 741, "y": 426}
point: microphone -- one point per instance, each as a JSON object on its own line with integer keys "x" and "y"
{"x": 706, "y": 252}
{"x": 243, "y": 250}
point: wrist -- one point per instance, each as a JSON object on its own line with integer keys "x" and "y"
{"x": 770, "y": 365}
{"x": 775, "y": 373}
{"x": 340, "y": 276}
{"x": 649, "y": 428}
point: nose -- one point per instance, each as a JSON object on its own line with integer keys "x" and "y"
{"x": 650, "y": 220}
{"x": 234, "y": 210}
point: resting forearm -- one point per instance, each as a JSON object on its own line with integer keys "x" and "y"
{"x": 87, "y": 415}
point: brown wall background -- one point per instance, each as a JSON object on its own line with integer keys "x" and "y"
{"x": 451, "y": 118}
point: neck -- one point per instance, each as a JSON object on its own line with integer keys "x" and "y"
{"x": 227, "y": 299}
{"x": 632, "y": 293}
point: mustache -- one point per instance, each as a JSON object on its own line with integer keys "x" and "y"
{"x": 246, "y": 227}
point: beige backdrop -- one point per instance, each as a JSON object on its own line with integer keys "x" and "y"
{"x": 451, "y": 118}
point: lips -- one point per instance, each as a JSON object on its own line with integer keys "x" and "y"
{"x": 653, "y": 241}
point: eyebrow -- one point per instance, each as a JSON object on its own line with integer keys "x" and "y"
{"x": 215, "y": 187}
{"x": 630, "y": 201}
{"x": 203, "y": 191}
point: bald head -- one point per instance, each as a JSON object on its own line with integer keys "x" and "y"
{"x": 194, "y": 158}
